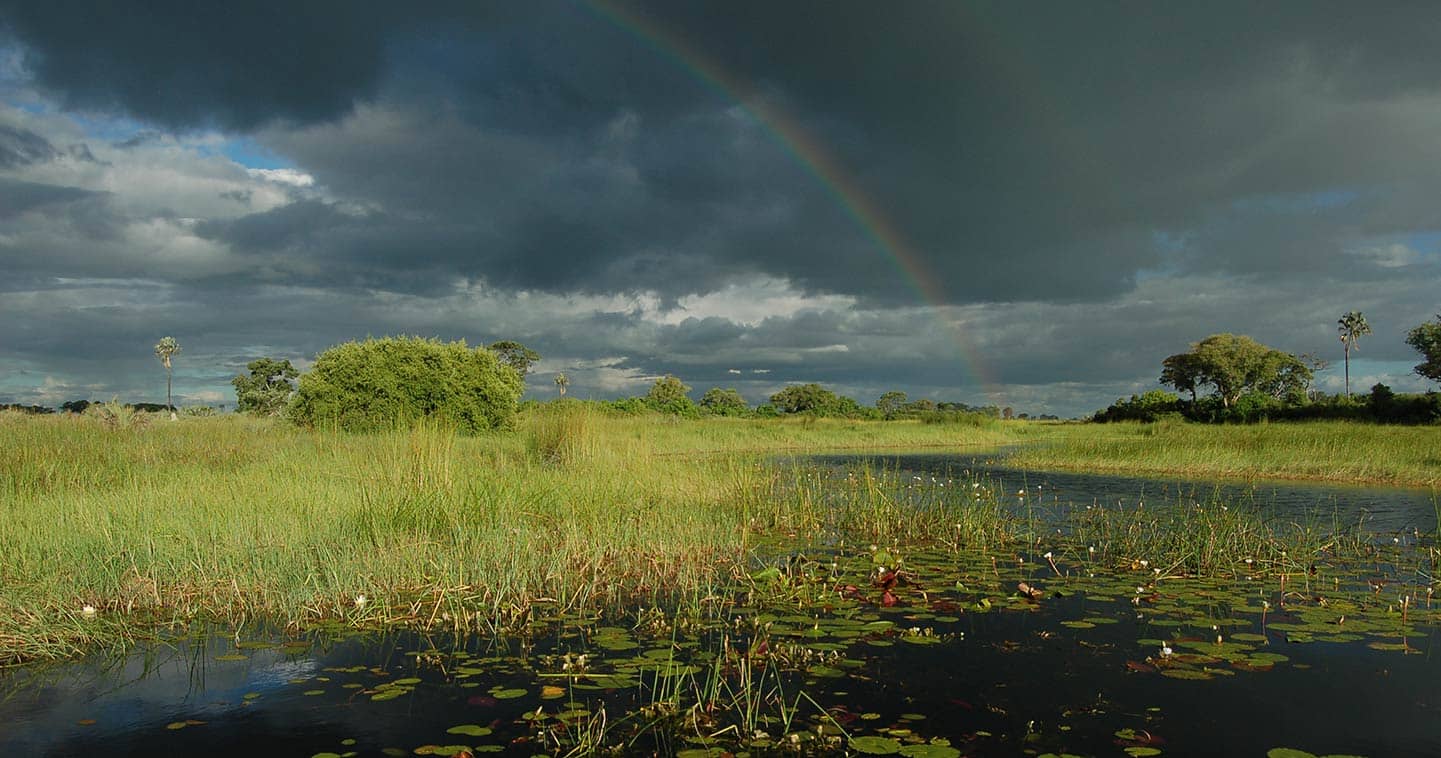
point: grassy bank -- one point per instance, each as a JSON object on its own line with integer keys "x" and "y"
{"x": 1333, "y": 451}
{"x": 231, "y": 519}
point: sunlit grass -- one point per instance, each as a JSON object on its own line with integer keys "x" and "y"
{"x": 1321, "y": 451}
{"x": 232, "y": 519}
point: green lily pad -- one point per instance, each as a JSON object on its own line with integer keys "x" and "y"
{"x": 871, "y": 745}
{"x": 469, "y": 730}
{"x": 929, "y": 751}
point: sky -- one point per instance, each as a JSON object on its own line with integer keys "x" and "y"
{"x": 1011, "y": 203}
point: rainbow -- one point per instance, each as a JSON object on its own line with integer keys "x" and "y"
{"x": 812, "y": 156}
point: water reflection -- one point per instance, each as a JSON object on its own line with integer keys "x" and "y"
{"x": 1385, "y": 510}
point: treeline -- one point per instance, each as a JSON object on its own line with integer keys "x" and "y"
{"x": 82, "y": 406}
{"x": 670, "y": 395}
{"x": 1246, "y": 381}
{"x": 1381, "y": 405}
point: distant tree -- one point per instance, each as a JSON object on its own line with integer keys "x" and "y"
{"x": 561, "y": 382}
{"x": 165, "y": 349}
{"x": 1352, "y": 328}
{"x": 75, "y": 406}
{"x": 1234, "y": 365}
{"x": 267, "y": 389}
{"x": 1008, "y": 413}
{"x": 724, "y": 402}
{"x": 1184, "y": 372}
{"x": 890, "y": 403}
{"x": 382, "y": 384}
{"x": 515, "y": 355}
{"x": 814, "y": 399}
{"x": 1426, "y": 339}
{"x": 670, "y": 395}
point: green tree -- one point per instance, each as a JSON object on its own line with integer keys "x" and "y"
{"x": 267, "y": 389}
{"x": 814, "y": 399}
{"x": 1184, "y": 372}
{"x": 1234, "y": 365}
{"x": 724, "y": 402}
{"x": 670, "y": 395}
{"x": 166, "y": 349}
{"x": 562, "y": 382}
{"x": 1426, "y": 339}
{"x": 891, "y": 403}
{"x": 515, "y": 355}
{"x": 1352, "y": 328}
{"x": 380, "y": 384}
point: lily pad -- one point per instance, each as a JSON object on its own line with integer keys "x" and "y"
{"x": 871, "y": 745}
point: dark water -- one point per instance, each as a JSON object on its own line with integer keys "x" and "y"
{"x": 1385, "y": 510}
{"x": 1332, "y": 666}
{"x": 1007, "y": 683}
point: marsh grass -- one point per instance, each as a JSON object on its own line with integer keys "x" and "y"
{"x": 1320, "y": 451}
{"x": 230, "y": 519}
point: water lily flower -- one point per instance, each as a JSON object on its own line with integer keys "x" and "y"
{"x": 1166, "y": 651}
{"x": 88, "y": 611}
{"x": 360, "y": 601}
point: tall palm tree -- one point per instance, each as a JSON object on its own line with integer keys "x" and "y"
{"x": 164, "y": 349}
{"x": 561, "y": 382}
{"x": 1352, "y": 327}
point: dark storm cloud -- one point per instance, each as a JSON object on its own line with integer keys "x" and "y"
{"x": 188, "y": 64}
{"x": 19, "y": 147}
{"x": 1090, "y": 186}
{"x": 17, "y": 197}
{"x": 1023, "y": 151}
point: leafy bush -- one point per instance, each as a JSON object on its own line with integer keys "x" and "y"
{"x": 1152, "y": 406}
{"x": 670, "y": 395}
{"x": 382, "y": 384}
{"x": 724, "y": 402}
{"x": 267, "y": 389}
{"x": 816, "y": 400}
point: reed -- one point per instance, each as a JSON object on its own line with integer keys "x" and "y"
{"x": 230, "y": 519}
{"x": 1335, "y": 451}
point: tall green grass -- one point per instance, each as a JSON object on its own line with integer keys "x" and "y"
{"x": 231, "y": 519}
{"x": 1323, "y": 451}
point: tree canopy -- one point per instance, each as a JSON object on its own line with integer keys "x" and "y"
{"x": 1234, "y": 365}
{"x": 724, "y": 402}
{"x": 670, "y": 395}
{"x": 814, "y": 399}
{"x": 515, "y": 355}
{"x": 267, "y": 389}
{"x": 1426, "y": 339}
{"x": 379, "y": 384}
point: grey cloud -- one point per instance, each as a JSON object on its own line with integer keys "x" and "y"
{"x": 18, "y": 197}
{"x": 19, "y": 147}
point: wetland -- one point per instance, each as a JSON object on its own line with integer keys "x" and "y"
{"x": 708, "y": 589}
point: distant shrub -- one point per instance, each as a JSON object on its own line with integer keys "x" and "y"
{"x": 1151, "y": 406}
{"x": 393, "y": 382}
{"x": 962, "y": 418}
{"x": 197, "y": 411}
{"x": 724, "y": 402}
{"x": 628, "y": 406}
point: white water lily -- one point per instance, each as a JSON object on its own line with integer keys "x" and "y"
{"x": 361, "y": 600}
{"x": 88, "y": 611}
